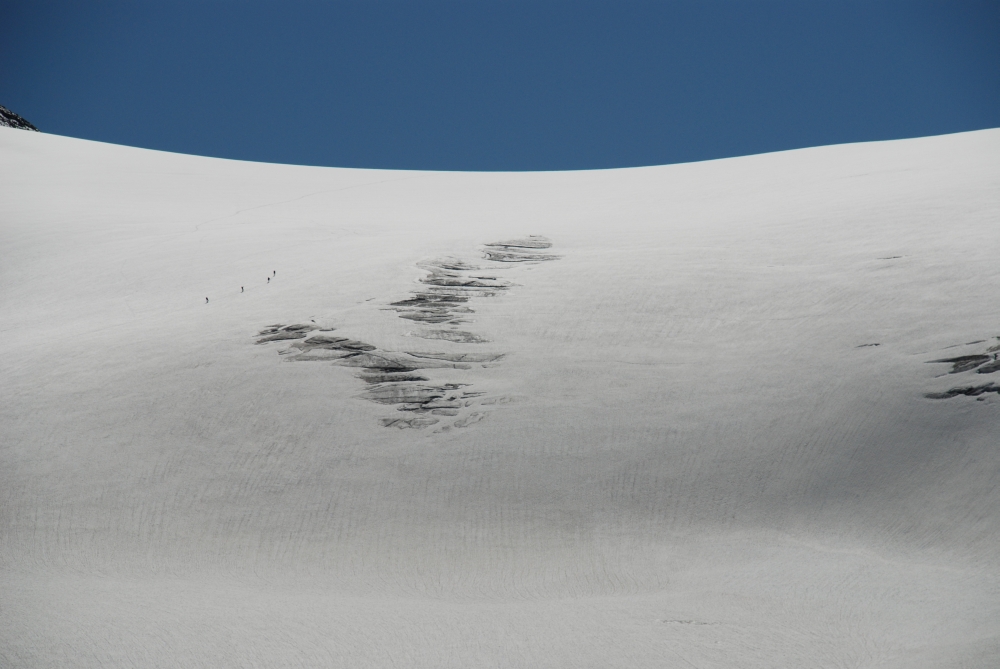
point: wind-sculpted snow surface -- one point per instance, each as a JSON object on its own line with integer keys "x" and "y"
{"x": 446, "y": 297}
{"x": 275, "y": 416}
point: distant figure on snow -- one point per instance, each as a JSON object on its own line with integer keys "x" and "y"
{"x": 274, "y": 273}
{"x": 269, "y": 279}
{"x": 241, "y": 289}
{"x": 206, "y": 300}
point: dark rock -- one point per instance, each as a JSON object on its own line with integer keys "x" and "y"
{"x": 9, "y": 119}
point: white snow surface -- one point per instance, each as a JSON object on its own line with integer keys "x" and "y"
{"x": 703, "y": 462}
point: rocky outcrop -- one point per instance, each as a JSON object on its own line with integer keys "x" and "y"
{"x": 9, "y": 119}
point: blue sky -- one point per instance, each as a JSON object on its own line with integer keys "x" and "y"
{"x": 484, "y": 85}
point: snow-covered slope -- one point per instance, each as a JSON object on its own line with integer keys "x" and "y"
{"x": 706, "y": 432}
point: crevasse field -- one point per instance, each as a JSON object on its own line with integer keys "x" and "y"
{"x": 683, "y": 416}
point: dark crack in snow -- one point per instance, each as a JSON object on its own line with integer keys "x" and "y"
{"x": 401, "y": 379}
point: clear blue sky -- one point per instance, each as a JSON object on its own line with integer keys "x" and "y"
{"x": 499, "y": 85}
